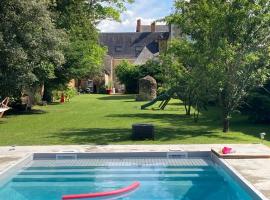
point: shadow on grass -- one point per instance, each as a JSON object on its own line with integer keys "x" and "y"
{"x": 173, "y": 119}
{"x": 242, "y": 124}
{"x": 99, "y": 136}
{"x": 205, "y": 125}
{"x": 30, "y": 112}
{"x": 176, "y": 104}
{"x": 169, "y": 128}
{"x": 118, "y": 97}
{"x": 2, "y": 121}
{"x": 103, "y": 136}
{"x": 54, "y": 103}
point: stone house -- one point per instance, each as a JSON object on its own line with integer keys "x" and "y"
{"x": 135, "y": 47}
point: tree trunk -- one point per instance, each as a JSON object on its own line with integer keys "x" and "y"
{"x": 226, "y": 124}
{"x": 187, "y": 103}
{"x": 189, "y": 110}
{"x": 223, "y": 98}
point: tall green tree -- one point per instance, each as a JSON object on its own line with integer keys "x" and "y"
{"x": 80, "y": 18}
{"x": 183, "y": 76}
{"x": 30, "y": 45}
{"x": 231, "y": 41}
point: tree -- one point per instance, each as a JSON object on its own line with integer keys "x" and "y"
{"x": 153, "y": 68}
{"x": 128, "y": 75}
{"x": 30, "y": 45}
{"x": 181, "y": 75}
{"x": 231, "y": 42}
{"x": 84, "y": 55}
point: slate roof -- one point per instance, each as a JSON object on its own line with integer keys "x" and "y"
{"x": 159, "y": 28}
{"x": 144, "y": 56}
{"x": 130, "y": 45}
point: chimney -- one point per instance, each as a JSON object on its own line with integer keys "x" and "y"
{"x": 153, "y": 27}
{"x": 139, "y": 23}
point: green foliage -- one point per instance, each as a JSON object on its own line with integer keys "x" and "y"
{"x": 109, "y": 86}
{"x": 84, "y": 55}
{"x": 258, "y": 104}
{"x": 50, "y": 42}
{"x": 230, "y": 46}
{"x": 102, "y": 89}
{"x": 183, "y": 76}
{"x": 70, "y": 92}
{"x": 152, "y": 68}
{"x": 37, "y": 98}
{"x": 128, "y": 75}
{"x": 30, "y": 45}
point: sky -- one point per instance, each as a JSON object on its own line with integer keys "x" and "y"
{"x": 146, "y": 10}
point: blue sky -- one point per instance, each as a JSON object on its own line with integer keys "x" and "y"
{"x": 147, "y": 10}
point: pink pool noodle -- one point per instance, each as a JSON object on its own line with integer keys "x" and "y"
{"x": 103, "y": 194}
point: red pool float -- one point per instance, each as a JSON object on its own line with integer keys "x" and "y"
{"x": 129, "y": 188}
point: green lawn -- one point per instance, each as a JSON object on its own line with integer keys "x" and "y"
{"x": 102, "y": 119}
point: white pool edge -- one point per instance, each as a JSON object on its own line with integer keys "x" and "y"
{"x": 13, "y": 167}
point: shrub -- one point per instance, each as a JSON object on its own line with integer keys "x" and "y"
{"x": 102, "y": 90}
{"x": 129, "y": 74}
{"x": 37, "y": 98}
{"x": 258, "y": 103}
{"x": 70, "y": 92}
{"x": 259, "y": 108}
{"x": 161, "y": 90}
{"x": 152, "y": 68}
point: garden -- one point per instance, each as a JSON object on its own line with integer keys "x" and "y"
{"x": 107, "y": 119}
{"x": 216, "y": 73}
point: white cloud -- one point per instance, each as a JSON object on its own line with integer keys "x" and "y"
{"x": 147, "y": 10}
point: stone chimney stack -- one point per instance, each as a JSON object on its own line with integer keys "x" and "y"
{"x": 153, "y": 27}
{"x": 139, "y": 25}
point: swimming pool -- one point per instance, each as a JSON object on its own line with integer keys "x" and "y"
{"x": 160, "y": 178}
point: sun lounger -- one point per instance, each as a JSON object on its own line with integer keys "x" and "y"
{"x": 4, "y": 106}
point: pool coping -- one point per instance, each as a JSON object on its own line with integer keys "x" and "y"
{"x": 235, "y": 174}
{"x": 240, "y": 155}
{"x": 7, "y": 173}
{"x": 10, "y": 170}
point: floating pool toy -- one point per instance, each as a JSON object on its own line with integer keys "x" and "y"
{"x": 129, "y": 188}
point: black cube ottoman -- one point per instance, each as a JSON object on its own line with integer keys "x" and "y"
{"x": 142, "y": 132}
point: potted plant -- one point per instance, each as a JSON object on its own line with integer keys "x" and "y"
{"x": 109, "y": 87}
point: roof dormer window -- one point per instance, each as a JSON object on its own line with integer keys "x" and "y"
{"x": 118, "y": 49}
{"x": 138, "y": 48}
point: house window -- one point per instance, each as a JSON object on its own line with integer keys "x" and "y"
{"x": 138, "y": 48}
{"x": 118, "y": 48}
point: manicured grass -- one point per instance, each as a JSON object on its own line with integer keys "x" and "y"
{"x": 102, "y": 119}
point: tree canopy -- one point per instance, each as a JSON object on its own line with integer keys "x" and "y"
{"x": 230, "y": 44}
{"x": 51, "y": 41}
{"x": 30, "y": 45}
{"x": 79, "y": 18}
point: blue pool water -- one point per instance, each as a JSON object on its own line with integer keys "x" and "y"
{"x": 170, "y": 179}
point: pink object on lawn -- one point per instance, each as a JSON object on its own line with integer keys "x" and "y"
{"x": 103, "y": 194}
{"x": 227, "y": 150}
